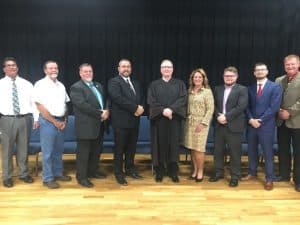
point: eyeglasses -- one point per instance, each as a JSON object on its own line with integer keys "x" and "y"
{"x": 260, "y": 69}
{"x": 11, "y": 65}
{"x": 166, "y": 67}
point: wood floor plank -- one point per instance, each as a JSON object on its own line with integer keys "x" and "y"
{"x": 146, "y": 202}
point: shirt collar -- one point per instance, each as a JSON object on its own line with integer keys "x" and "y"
{"x": 125, "y": 78}
{"x": 9, "y": 79}
{"x": 263, "y": 82}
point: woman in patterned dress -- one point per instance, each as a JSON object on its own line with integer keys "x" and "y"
{"x": 199, "y": 113}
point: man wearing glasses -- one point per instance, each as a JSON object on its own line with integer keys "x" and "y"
{"x": 167, "y": 99}
{"x": 16, "y": 110}
{"x": 264, "y": 102}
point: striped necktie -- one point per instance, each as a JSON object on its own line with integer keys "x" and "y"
{"x": 15, "y": 98}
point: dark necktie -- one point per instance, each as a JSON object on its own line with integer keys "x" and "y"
{"x": 130, "y": 84}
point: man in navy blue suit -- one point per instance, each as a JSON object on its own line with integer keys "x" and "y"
{"x": 264, "y": 102}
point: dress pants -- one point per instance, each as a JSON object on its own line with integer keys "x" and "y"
{"x": 225, "y": 137}
{"x": 125, "y": 142}
{"x": 52, "y": 143}
{"x": 87, "y": 157}
{"x": 15, "y": 134}
{"x": 286, "y": 138}
{"x": 265, "y": 138}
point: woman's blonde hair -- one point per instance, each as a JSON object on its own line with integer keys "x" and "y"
{"x": 204, "y": 76}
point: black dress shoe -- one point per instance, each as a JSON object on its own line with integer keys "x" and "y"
{"x": 158, "y": 178}
{"x": 8, "y": 183}
{"x": 233, "y": 182}
{"x": 281, "y": 179}
{"x": 215, "y": 178}
{"x": 85, "y": 183}
{"x": 297, "y": 187}
{"x": 191, "y": 177}
{"x": 98, "y": 175}
{"x": 134, "y": 175}
{"x": 28, "y": 179}
{"x": 174, "y": 178}
{"x": 121, "y": 179}
{"x": 198, "y": 180}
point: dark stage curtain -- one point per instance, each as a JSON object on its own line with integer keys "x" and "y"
{"x": 211, "y": 34}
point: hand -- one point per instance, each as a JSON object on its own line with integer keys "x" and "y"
{"x": 168, "y": 113}
{"x": 60, "y": 125}
{"x": 283, "y": 114}
{"x": 256, "y": 123}
{"x": 199, "y": 127}
{"x": 139, "y": 111}
{"x": 104, "y": 115}
{"x": 35, "y": 125}
{"x": 222, "y": 119}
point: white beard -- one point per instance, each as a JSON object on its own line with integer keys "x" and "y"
{"x": 54, "y": 75}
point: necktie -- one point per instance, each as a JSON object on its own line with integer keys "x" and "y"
{"x": 97, "y": 94}
{"x": 15, "y": 98}
{"x": 259, "y": 92}
{"x": 130, "y": 84}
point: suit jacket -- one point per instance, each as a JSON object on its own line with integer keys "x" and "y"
{"x": 236, "y": 105}
{"x": 266, "y": 106}
{"x": 123, "y": 102}
{"x": 290, "y": 100}
{"x": 86, "y": 109}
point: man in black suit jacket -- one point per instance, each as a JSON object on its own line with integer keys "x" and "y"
{"x": 126, "y": 109}
{"x": 90, "y": 112}
{"x": 231, "y": 101}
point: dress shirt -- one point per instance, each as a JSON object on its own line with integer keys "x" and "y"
{"x": 25, "y": 91}
{"x": 262, "y": 82}
{"x": 127, "y": 80}
{"x": 227, "y": 91}
{"x": 52, "y": 95}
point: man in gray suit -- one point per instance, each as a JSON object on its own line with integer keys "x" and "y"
{"x": 90, "y": 112}
{"x": 231, "y": 101}
{"x": 289, "y": 121}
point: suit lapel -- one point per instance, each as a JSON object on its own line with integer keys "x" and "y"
{"x": 90, "y": 92}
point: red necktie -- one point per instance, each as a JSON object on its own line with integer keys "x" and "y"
{"x": 259, "y": 92}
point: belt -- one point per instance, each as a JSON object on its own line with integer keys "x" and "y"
{"x": 18, "y": 116}
{"x": 59, "y": 117}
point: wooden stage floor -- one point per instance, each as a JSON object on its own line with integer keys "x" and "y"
{"x": 147, "y": 202}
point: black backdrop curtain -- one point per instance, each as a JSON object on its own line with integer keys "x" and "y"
{"x": 211, "y": 34}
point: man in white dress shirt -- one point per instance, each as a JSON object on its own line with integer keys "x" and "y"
{"x": 16, "y": 110}
{"x": 50, "y": 97}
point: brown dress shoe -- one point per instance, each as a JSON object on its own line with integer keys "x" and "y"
{"x": 268, "y": 186}
{"x": 248, "y": 177}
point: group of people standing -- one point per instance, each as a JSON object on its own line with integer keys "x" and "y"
{"x": 177, "y": 116}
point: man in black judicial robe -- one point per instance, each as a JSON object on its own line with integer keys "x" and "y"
{"x": 167, "y": 99}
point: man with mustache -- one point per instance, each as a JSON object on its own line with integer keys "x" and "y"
{"x": 50, "y": 97}
{"x": 289, "y": 122}
{"x": 126, "y": 109}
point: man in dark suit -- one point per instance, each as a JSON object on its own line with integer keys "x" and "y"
{"x": 126, "y": 109}
{"x": 90, "y": 112}
{"x": 231, "y": 101}
{"x": 264, "y": 102}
